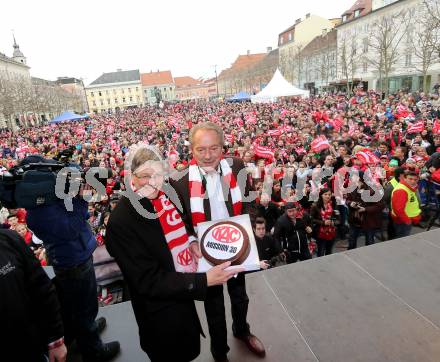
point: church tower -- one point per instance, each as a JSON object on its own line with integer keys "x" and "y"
{"x": 18, "y": 55}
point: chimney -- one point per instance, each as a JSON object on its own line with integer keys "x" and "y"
{"x": 297, "y": 21}
{"x": 307, "y": 15}
{"x": 248, "y": 52}
{"x": 268, "y": 49}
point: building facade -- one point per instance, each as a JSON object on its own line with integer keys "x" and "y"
{"x": 380, "y": 45}
{"x": 75, "y": 87}
{"x": 319, "y": 62}
{"x": 240, "y": 76}
{"x": 158, "y": 86}
{"x": 293, "y": 40}
{"x": 115, "y": 91}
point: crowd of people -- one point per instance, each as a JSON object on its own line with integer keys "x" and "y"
{"x": 321, "y": 169}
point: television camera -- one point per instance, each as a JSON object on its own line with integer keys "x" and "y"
{"x": 38, "y": 181}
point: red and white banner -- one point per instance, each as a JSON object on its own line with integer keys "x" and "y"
{"x": 319, "y": 144}
{"x": 229, "y": 138}
{"x": 416, "y": 127}
{"x": 274, "y": 132}
{"x": 263, "y": 152}
{"x": 367, "y": 157}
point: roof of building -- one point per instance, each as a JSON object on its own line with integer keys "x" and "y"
{"x": 320, "y": 43}
{"x": 185, "y": 81}
{"x": 157, "y": 78}
{"x": 68, "y": 80}
{"x": 121, "y": 76}
{"x": 363, "y": 5}
{"x": 243, "y": 62}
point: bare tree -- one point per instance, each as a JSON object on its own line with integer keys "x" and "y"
{"x": 423, "y": 44}
{"x": 385, "y": 37}
{"x": 348, "y": 60}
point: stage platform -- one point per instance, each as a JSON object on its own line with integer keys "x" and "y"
{"x": 378, "y": 303}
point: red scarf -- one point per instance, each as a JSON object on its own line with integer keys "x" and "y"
{"x": 175, "y": 234}
{"x": 197, "y": 191}
{"x": 326, "y": 212}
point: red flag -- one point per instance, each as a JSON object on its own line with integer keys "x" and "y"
{"x": 367, "y": 157}
{"x": 263, "y": 152}
{"x": 274, "y": 132}
{"x": 230, "y": 138}
{"x": 319, "y": 144}
{"x": 416, "y": 127}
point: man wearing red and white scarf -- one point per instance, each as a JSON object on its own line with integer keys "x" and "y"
{"x": 210, "y": 174}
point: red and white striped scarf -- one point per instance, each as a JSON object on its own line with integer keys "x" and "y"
{"x": 175, "y": 234}
{"x": 197, "y": 191}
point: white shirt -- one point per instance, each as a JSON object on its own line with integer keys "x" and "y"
{"x": 215, "y": 193}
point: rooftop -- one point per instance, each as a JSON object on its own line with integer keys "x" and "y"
{"x": 364, "y": 7}
{"x": 120, "y": 76}
{"x": 185, "y": 81}
{"x": 157, "y": 78}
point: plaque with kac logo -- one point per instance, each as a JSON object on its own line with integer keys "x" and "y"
{"x": 230, "y": 239}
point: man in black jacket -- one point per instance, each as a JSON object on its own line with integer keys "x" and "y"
{"x": 268, "y": 210}
{"x": 268, "y": 247}
{"x": 291, "y": 233}
{"x": 29, "y": 307}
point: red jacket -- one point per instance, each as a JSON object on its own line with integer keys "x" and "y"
{"x": 398, "y": 203}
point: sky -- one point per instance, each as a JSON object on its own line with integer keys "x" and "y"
{"x": 84, "y": 39}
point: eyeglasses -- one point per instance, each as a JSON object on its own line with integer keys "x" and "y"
{"x": 156, "y": 176}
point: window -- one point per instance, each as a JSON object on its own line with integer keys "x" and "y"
{"x": 102, "y": 102}
{"x": 123, "y": 99}
{"x": 108, "y": 100}
{"x": 353, "y": 49}
{"x": 94, "y": 103}
{"x": 365, "y": 49}
{"x": 131, "y": 99}
{"x": 91, "y": 94}
{"x": 122, "y": 90}
{"x": 357, "y": 13}
{"x": 281, "y": 39}
{"x": 100, "y": 94}
{"x": 116, "y": 100}
{"x": 171, "y": 89}
{"x": 129, "y": 90}
{"x": 137, "y": 89}
{"x": 152, "y": 92}
{"x": 365, "y": 67}
{"x": 145, "y": 91}
{"x": 344, "y": 18}
{"x": 290, "y": 36}
{"x": 408, "y": 60}
{"x": 106, "y": 92}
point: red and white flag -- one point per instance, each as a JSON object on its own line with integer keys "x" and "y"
{"x": 274, "y": 132}
{"x": 175, "y": 137}
{"x": 229, "y": 138}
{"x": 319, "y": 144}
{"x": 416, "y": 127}
{"x": 367, "y": 157}
{"x": 263, "y": 152}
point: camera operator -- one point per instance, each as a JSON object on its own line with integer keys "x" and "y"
{"x": 29, "y": 307}
{"x": 69, "y": 244}
{"x": 292, "y": 232}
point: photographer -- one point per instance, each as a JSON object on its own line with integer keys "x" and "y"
{"x": 69, "y": 244}
{"x": 291, "y": 232}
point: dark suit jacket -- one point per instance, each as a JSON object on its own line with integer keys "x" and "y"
{"x": 162, "y": 299}
{"x": 181, "y": 187}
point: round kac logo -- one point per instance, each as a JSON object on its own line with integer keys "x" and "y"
{"x": 225, "y": 241}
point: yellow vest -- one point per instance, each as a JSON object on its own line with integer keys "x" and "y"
{"x": 394, "y": 182}
{"x": 412, "y": 208}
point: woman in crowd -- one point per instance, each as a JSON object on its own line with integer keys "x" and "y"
{"x": 325, "y": 217}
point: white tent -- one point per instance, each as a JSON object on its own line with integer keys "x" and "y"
{"x": 278, "y": 87}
